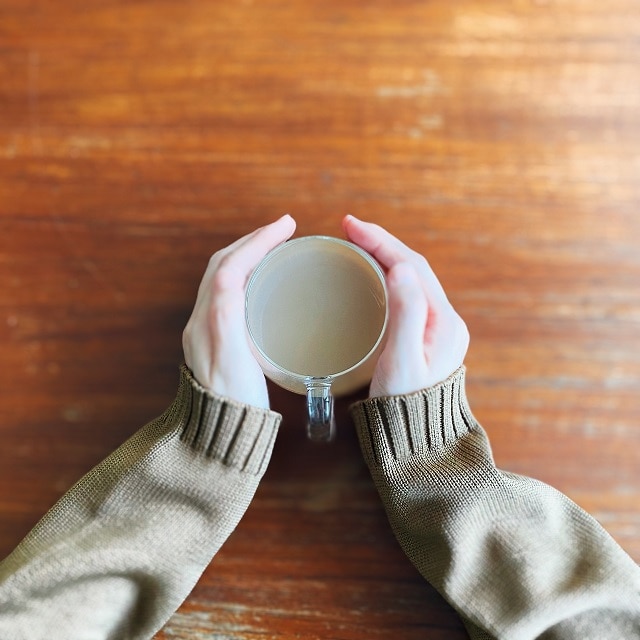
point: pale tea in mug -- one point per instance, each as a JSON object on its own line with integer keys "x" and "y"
{"x": 317, "y": 308}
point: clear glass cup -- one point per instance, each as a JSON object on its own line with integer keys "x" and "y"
{"x": 316, "y": 314}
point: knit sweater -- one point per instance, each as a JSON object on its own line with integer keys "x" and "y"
{"x": 123, "y": 548}
{"x": 516, "y": 558}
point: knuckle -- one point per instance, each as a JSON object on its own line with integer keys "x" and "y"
{"x": 225, "y": 277}
{"x": 419, "y": 258}
{"x": 216, "y": 257}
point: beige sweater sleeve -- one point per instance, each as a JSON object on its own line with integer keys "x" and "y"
{"x": 517, "y": 559}
{"x": 117, "y": 555}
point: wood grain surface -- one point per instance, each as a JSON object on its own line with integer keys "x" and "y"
{"x": 499, "y": 138}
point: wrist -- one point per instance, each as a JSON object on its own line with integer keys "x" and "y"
{"x": 397, "y": 427}
{"x": 221, "y": 428}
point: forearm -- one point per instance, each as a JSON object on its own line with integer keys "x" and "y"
{"x": 124, "y": 547}
{"x": 515, "y": 557}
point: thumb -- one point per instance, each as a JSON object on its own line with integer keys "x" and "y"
{"x": 408, "y": 311}
{"x": 402, "y": 367}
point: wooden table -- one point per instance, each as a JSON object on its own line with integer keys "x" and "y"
{"x": 501, "y": 139}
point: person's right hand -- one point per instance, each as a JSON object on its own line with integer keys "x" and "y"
{"x": 427, "y": 340}
{"x": 215, "y": 342}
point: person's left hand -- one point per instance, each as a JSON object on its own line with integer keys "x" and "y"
{"x": 215, "y": 341}
{"x": 426, "y": 340}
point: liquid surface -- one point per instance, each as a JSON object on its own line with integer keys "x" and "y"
{"x": 317, "y": 312}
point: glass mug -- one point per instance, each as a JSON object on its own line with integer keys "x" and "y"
{"x": 316, "y": 314}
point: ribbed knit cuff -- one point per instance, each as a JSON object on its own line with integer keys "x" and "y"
{"x": 237, "y": 434}
{"x": 396, "y": 427}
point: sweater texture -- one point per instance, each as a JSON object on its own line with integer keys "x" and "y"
{"x": 516, "y": 558}
{"x": 122, "y": 549}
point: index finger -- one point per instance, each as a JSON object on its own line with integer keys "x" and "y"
{"x": 382, "y": 245}
{"x": 389, "y": 251}
{"x": 235, "y": 263}
{"x": 245, "y": 254}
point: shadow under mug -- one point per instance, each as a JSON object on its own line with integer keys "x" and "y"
{"x": 316, "y": 314}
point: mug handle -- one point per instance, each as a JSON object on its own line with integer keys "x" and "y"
{"x": 321, "y": 424}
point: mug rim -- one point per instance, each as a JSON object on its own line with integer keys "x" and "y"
{"x": 369, "y": 259}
